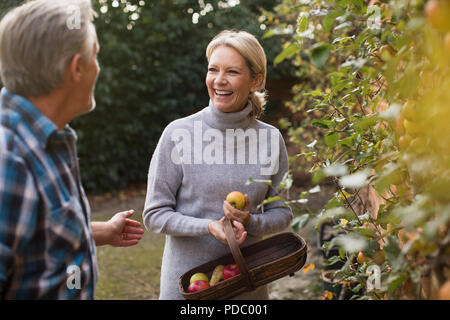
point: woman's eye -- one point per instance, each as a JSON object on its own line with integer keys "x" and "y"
{"x": 233, "y": 71}
{"x": 212, "y": 69}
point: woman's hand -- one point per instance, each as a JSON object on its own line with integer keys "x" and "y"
{"x": 216, "y": 228}
{"x": 243, "y": 216}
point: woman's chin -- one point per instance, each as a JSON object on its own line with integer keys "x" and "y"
{"x": 225, "y": 107}
{"x": 221, "y": 106}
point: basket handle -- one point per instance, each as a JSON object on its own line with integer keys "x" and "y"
{"x": 237, "y": 255}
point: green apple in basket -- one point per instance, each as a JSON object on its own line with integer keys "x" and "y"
{"x": 198, "y": 276}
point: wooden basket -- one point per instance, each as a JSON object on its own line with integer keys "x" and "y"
{"x": 259, "y": 264}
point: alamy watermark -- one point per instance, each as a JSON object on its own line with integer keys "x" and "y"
{"x": 74, "y": 277}
{"x": 374, "y": 279}
{"x": 74, "y": 17}
{"x": 236, "y": 146}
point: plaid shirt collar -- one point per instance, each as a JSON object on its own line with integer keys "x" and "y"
{"x": 42, "y": 127}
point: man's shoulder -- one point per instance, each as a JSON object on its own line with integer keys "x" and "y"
{"x": 12, "y": 131}
{"x": 8, "y": 129}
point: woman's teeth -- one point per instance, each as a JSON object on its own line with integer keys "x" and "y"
{"x": 223, "y": 93}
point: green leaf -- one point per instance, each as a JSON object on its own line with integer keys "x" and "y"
{"x": 313, "y": 93}
{"x": 322, "y": 123}
{"x": 318, "y": 176}
{"x": 269, "y": 34}
{"x": 270, "y": 200}
{"x": 329, "y": 19}
{"x": 395, "y": 281}
{"x": 392, "y": 248}
{"x": 347, "y": 142}
{"x": 320, "y": 53}
{"x": 251, "y": 180}
{"x": 331, "y": 139}
{"x": 287, "y": 53}
{"x": 300, "y": 222}
{"x": 366, "y": 122}
{"x": 357, "y": 288}
{"x": 286, "y": 182}
{"x": 332, "y": 260}
{"x": 302, "y": 23}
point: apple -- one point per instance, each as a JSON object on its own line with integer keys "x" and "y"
{"x": 236, "y": 199}
{"x": 230, "y": 270}
{"x": 199, "y": 276}
{"x": 361, "y": 258}
{"x": 198, "y": 285}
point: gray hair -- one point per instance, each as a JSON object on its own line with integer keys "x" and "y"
{"x": 38, "y": 40}
{"x": 253, "y": 53}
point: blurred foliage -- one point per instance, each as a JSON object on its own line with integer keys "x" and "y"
{"x": 370, "y": 116}
{"x": 153, "y": 66}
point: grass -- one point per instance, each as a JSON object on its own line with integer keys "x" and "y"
{"x": 129, "y": 272}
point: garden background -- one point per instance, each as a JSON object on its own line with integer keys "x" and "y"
{"x": 360, "y": 90}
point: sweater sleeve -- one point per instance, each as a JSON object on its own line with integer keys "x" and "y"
{"x": 275, "y": 216}
{"x": 164, "y": 179}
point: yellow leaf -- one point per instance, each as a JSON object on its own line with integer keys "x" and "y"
{"x": 327, "y": 295}
{"x": 308, "y": 267}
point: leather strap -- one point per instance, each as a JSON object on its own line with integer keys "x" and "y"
{"x": 237, "y": 255}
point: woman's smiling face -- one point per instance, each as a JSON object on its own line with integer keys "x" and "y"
{"x": 229, "y": 80}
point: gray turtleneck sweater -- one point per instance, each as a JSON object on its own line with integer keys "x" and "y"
{"x": 199, "y": 159}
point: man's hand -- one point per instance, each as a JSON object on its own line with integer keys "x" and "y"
{"x": 119, "y": 231}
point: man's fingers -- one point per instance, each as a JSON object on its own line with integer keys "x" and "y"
{"x": 128, "y": 243}
{"x": 132, "y": 223}
{"x": 128, "y": 213}
{"x": 131, "y": 236}
{"x": 133, "y": 230}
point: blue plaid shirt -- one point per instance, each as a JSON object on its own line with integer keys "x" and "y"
{"x": 46, "y": 246}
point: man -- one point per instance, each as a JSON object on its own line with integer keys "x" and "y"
{"x": 48, "y": 65}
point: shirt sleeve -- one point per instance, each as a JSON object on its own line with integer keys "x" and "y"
{"x": 164, "y": 179}
{"x": 18, "y": 212}
{"x": 276, "y": 217}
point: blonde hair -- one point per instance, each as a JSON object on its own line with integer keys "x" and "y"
{"x": 253, "y": 53}
{"x": 37, "y": 43}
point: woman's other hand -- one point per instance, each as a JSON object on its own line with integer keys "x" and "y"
{"x": 217, "y": 229}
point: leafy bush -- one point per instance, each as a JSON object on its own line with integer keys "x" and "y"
{"x": 374, "y": 106}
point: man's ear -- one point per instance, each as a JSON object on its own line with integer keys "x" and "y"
{"x": 257, "y": 82}
{"x": 75, "y": 68}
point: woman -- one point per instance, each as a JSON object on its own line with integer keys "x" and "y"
{"x": 201, "y": 158}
